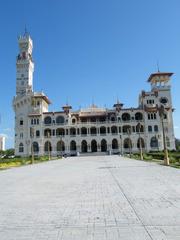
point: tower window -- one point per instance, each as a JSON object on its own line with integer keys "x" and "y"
{"x": 21, "y": 122}
{"x": 21, "y": 147}
{"x": 37, "y": 133}
{"x": 156, "y": 128}
{"x": 164, "y": 100}
{"x": 149, "y": 128}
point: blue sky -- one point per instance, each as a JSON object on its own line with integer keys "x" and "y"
{"x": 90, "y": 51}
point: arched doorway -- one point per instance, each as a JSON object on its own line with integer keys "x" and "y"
{"x": 60, "y": 146}
{"x": 84, "y": 146}
{"x": 114, "y": 144}
{"x": 47, "y": 146}
{"x": 93, "y": 146}
{"x": 128, "y": 145}
{"x": 35, "y": 147}
{"x": 73, "y": 145}
{"x": 103, "y": 145}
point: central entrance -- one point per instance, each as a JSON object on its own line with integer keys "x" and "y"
{"x": 93, "y": 146}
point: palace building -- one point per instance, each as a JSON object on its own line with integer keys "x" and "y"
{"x": 92, "y": 130}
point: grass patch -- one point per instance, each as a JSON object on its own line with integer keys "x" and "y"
{"x": 16, "y": 162}
{"x": 174, "y": 157}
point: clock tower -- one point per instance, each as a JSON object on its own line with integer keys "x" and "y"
{"x": 24, "y": 66}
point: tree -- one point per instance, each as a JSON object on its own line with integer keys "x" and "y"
{"x": 177, "y": 143}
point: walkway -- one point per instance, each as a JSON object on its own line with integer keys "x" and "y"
{"x": 90, "y": 198}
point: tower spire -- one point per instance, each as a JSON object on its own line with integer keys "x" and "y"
{"x": 158, "y": 66}
{"x": 25, "y": 31}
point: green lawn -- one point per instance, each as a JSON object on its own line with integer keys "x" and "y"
{"x": 174, "y": 157}
{"x": 16, "y": 162}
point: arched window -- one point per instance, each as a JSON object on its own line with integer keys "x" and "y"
{"x": 60, "y": 120}
{"x": 114, "y": 130}
{"x": 21, "y": 147}
{"x": 102, "y": 119}
{"x": 126, "y": 129}
{"x": 93, "y": 131}
{"x": 102, "y": 130}
{"x": 60, "y": 132}
{"x": 139, "y": 128}
{"x": 126, "y": 117}
{"x": 47, "y": 120}
{"x": 72, "y": 131}
{"x": 138, "y": 116}
{"x": 73, "y": 121}
{"x": 47, "y": 132}
{"x": 47, "y": 146}
{"x": 35, "y": 147}
{"x": 73, "y": 146}
{"x": 113, "y": 119}
{"x": 83, "y": 131}
{"x": 154, "y": 142}
{"x": 114, "y": 144}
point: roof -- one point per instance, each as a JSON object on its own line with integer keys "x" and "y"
{"x": 42, "y": 95}
{"x": 34, "y": 115}
{"x": 159, "y": 74}
{"x": 61, "y": 112}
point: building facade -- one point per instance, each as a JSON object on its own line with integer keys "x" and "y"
{"x": 92, "y": 130}
{"x": 2, "y": 143}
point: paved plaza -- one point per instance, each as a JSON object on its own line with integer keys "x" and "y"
{"x": 93, "y": 198}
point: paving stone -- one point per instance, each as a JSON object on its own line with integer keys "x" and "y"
{"x": 90, "y": 198}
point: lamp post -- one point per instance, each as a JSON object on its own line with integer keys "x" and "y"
{"x": 32, "y": 144}
{"x": 140, "y": 143}
{"x": 161, "y": 114}
{"x": 129, "y": 141}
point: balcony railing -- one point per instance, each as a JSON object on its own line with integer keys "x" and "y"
{"x": 94, "y": 123}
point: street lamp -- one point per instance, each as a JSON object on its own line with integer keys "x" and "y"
{"x": 161, "y": 114}
{"x": 140, "y": 143}
{"x": 32, "y": 144}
